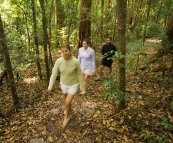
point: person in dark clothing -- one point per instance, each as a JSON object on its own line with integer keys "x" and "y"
{"x": 107, "y": 51}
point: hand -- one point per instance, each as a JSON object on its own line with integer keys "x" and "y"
{"x": 93, "y": 73}
{"x": 49, "y": 90}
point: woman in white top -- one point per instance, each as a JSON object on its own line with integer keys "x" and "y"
{"x": 86, "y": 57}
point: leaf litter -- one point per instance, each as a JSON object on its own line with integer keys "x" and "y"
{"x": 93, "y": 119}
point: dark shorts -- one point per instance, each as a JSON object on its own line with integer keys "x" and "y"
{"x": 106, "y": 62}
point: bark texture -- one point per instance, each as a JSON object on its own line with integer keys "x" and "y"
{"x": 7, "y": 63}
{"x": 85, "y": 21}
{"x": 121, "y": 15}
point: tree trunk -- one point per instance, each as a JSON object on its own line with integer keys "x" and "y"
{"x": 147, "y": 17}
{"x": 36, "y": 39}
{"x": 168, "y": 6}
{"x": 45, "y": 38}
{"x": 121, "y": 14}
{"x": 167, "y": 41}
{"x": 101, "y": 24}
{"x": 50, "y": 35}
{"x": 169, "y": 29}
{"x": 134, "y": 17}
{"x": 85, "y": 21}
{"x": 7, "y": 64}
{"x": 59, "y": 13}
{"x": 159, "y": 11}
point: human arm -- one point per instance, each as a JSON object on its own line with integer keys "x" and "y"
{"x": 93, "y": 65}
{"x": 55, "y": 72}
{"x": 79, "y": 56}
{"x": 80, "y": 76}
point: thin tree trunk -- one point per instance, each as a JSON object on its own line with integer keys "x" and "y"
{"x": 45, "y": 38}
{"x": 59, "y": 13}
{"x": 114, "y": 27}
{"x": 168, "y": 8}
{"x": 26, "y": 24}
{"x": 50, "y": 35}
{"x": 7, "y": 64}
{"x": 158, "y": 14}
{"x": 147, "y": 17}
{"x": 121, "y": 13}
{"x": 101, "y": 24}
{"x": 59, "y": 18}
{"x": 36, "y": 39}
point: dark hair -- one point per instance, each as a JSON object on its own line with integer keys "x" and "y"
{"x": 109, "y": 37}
{"x": 65, "y": 45}
{"x": 86, "y": 40}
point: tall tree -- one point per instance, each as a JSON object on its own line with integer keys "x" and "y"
{"x": 85, "y": 21}
{"x": 59, "y": 13}
{"x": 101, "y": 23}
{"x": 7, "y": 63}
{"x": 147, "y": 18}
{"x": 121, "y": 15}
{"x": 167, "y": 41}
{"x": 50, "y": 34}
{"x": 159, "y": 11}
{"x": 169, "y": 29}
{"x": 45, "y": 37}
{"x": 36, "y": 39}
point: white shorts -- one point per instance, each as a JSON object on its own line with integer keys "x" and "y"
{"x": 69, "y": 89}
{"x": 86, "y": 71}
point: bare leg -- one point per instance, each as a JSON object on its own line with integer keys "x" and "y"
{"x": 67, "y": 108}
{"x": 65, "y": 95}
{"x": 85, "y": 83}
{"x": 100, "y": 72}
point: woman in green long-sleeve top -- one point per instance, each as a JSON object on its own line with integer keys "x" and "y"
{"x": 71, "y": 78}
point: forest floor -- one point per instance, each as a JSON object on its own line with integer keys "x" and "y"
{"x": 148, "y": 116}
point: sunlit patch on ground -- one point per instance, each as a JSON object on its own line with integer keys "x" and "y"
{"x": 30, "y": 80}
{"x": 153, "y": 40}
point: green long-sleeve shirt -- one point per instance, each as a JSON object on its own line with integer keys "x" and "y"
{"x": 69, "y": 70}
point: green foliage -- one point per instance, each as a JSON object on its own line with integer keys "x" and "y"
{"x": 104, "y": 122}
{"x": 171, "y": 105}
{"x": 112, "y": 55}
{"x": 166, "y": 124}
{"x": 154, "y": 29}
{"x": 138, "y": 45}
{"x": 131, "y": 60}
{"x": 163, "y": 81}
{"x": 152, "y": 137}
{"x": 112, "y": 90}
{"x": 62, "y": 34}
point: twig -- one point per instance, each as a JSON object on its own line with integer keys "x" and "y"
{"x": 160, "y": 101}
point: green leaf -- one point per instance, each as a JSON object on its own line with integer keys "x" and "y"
{"x": 104, "y": 122}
